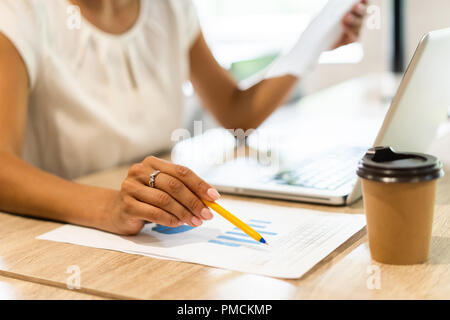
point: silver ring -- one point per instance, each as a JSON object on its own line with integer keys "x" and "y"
{"x": 153, "y": 176}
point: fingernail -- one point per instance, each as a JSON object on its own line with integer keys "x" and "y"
{"x": 206, "y": 214}
{"x": 213, "y": 194}
{"x": 180, "y": 223}
{"x": 196, "y": 221}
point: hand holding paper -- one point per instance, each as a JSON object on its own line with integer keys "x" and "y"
{"x": 321, "y": 35}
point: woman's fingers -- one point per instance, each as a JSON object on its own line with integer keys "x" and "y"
{"x": 359, "y": 9}
{"x": 352, "y": 28}
{"x": 353, "y": 21}
{"x": 150, "y": 213}
{"x": 173, "y": 187}
{"x": 162, "y": 200}
{"x": 183, "y": 195}
{"x": 197, "y": 185}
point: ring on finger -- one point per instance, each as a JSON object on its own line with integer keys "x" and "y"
{"x": 152, "y": 180}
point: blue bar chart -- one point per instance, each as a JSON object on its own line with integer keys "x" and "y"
{"x": 235, "y": 237}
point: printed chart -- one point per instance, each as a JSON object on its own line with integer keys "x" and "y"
{"x": 298, "y": 239}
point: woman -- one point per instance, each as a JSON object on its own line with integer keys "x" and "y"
{"x": 80, "y": 97}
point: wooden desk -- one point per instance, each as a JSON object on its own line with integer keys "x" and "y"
{"x": 342, "y": 275}
{"x": 13, "y": 289}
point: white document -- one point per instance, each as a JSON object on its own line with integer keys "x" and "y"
{"x": 298, "y": 239}
{"x": 320, "y": 35}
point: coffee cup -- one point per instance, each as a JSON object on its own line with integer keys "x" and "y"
{"x": 399, "y": 191}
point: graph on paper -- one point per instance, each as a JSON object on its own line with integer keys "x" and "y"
{"x": 233, "y": 238}
{"x": 236, "y": 237}
{"x": 298, "y": 239}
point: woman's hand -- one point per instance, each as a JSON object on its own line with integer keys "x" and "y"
{"x": 352, "y": 23}
{"x": 175, "y": 200}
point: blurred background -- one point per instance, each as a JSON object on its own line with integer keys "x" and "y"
{"x": 245, "y": 36}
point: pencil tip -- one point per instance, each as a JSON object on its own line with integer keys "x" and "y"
{"x": 263, "y": 241}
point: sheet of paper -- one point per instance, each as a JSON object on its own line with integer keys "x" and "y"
{"x": 298, "y": 239}
{"x": 320, "y": 35}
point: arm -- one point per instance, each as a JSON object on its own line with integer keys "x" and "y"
{"x": 246, "y": 109}
{"x": 29, "y": 191}
{"x": 232, "y": 107}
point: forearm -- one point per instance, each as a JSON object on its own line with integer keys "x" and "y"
{"x": 249, "y": 108}
{"x": 232, "y": 107}
{"x": 29, "y": 191}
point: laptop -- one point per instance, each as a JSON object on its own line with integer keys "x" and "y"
{"x": 418, "y": 108}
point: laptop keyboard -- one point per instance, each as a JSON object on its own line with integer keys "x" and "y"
{"x": 329, "y": 171}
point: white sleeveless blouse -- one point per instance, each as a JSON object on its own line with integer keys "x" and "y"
{"x": 99, "y": 100}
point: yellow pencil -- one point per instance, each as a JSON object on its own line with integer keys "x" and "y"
{"x": 236, "y": 221}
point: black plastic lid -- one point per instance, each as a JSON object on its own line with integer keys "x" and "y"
{"x": 385, "y": 165}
